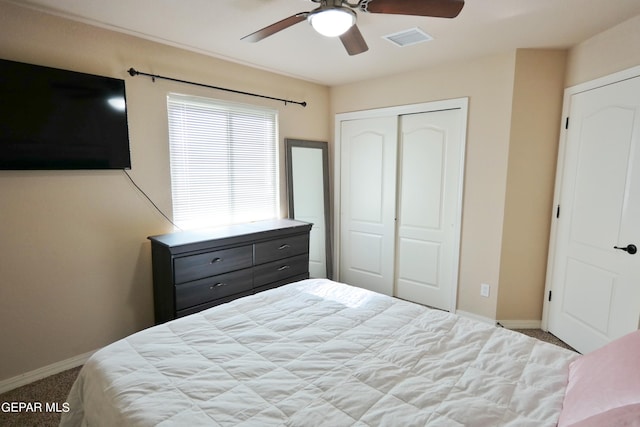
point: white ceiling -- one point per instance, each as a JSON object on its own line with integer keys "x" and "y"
{"x": 214, "y": 27}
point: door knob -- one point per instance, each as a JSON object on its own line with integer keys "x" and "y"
{"x": 630, "y": 249}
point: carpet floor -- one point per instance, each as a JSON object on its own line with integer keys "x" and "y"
{"x": 545, "y": 336}
{"x": 55, "y": 389}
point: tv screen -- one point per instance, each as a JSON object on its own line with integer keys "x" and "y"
{"x": 59, "y": 119}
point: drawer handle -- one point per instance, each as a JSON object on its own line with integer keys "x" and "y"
{"x": 284, "y": 267}
{"x": 285, "y": 246}
{"x": 215, "y": 260}
{"x": 217, "y": 285}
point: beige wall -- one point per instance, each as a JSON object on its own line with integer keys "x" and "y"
{"x": 488, "y": 82}
{"x": 533, "y": 147}
{"x": 613, "y": 50}
{"x": 75, "y": 261}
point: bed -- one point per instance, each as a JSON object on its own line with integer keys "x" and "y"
{"x": 322, "y": 353}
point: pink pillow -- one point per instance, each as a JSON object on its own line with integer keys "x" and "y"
{"x": 625, "y": 416}
{"x": 605, "y": 379}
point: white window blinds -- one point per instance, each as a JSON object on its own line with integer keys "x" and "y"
{"x": 224, "y": 163}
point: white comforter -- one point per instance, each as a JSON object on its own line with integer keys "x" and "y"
{"x": 321, "y": 353}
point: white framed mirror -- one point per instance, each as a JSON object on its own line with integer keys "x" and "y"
{"x": 307, "y": 166}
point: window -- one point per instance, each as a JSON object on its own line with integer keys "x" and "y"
{"x": 224, "y": 162}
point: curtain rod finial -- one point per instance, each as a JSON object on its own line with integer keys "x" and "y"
{"x": 132, "y": 72}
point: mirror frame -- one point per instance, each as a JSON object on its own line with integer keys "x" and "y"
{"x": 323, "y": 146}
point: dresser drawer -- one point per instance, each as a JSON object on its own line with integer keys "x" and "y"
{"x": 279, "y": 283}
{"x": 281, "y": 269}
{"x": 281, "y": 248}
{"x": 209, "y": 304}
{"x": 212, "y": 288}
{"x": 194, "y": 267}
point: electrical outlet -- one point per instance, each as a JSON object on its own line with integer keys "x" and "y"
{"x": 485, "y": 289}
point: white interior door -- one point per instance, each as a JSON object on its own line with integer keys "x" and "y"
{"x": 595, "y": 287}
{"x": 429, "y": 190}
{"x": 367, "y": 203}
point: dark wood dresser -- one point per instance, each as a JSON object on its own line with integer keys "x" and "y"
{"x": 195, "y": 270}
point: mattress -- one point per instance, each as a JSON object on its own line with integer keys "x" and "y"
{"x": 321, "y": 353}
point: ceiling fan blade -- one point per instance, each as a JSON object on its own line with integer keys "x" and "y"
{"x": 353, "y": 41}
{"x": 274, "y": 28}
{"x": 436, "y": 8}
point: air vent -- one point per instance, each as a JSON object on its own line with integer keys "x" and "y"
{"x": 408, "y": 37}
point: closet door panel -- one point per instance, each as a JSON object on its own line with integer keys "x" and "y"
{"x": 420, "y": 260}
{"x": 367, "y": 216}
{"x": 369, "y": 261}
{"x": 421, "y": 172}
{"x": 428, "y": 189}
{"x": 366, "y": 178}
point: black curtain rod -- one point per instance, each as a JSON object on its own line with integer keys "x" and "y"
{"x": 134, "y": 72}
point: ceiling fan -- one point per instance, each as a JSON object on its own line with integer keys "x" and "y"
{"x": 337, "y": 18}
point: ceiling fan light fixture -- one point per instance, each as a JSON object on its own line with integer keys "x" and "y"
{"x": 332, "y": 22}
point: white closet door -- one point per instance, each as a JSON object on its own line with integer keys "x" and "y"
{"x": 429, "y": 190}
{"x": 368, "y": 203}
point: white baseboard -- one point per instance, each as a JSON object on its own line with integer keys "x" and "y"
{"x": 475, "y": 317}
{"x": 521, "y": 324}
{"x": 45, "y": 371}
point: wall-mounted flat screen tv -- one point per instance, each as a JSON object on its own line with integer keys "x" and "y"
{"x": 58, "y": 119}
